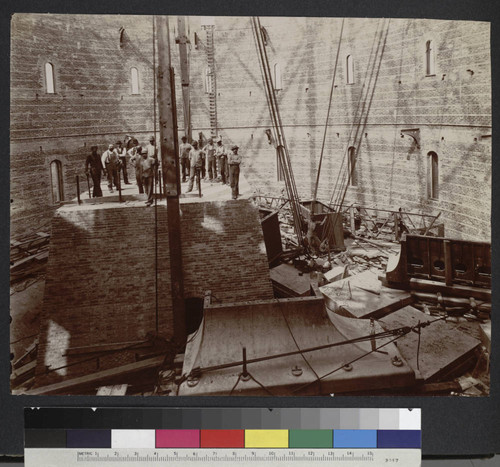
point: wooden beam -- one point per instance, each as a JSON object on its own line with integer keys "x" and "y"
{"x": 101, "y": 378}
{"x": 171, "y": 174}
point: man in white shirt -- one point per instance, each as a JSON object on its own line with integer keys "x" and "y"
{"x": 110, "y": 163}
{"x": 122, "y": 155}
{"x": 220, "y": 154}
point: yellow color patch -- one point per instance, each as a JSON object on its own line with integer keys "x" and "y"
{"x": 266, "y": 438}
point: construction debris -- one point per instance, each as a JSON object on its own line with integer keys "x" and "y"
{"x": 28, "y": 255}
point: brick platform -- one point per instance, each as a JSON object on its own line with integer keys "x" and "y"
{"x": 100, "y": 287}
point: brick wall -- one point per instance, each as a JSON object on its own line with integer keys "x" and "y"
{"x": 100, "y": 286}
{"x": 390, "y": 92}
{"x": 452, "y": 109}
{"x": 93, "y": 102}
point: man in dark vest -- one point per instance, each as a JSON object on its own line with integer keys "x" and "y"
{"x": 234, "y": 161}
{"x": 93, "y": 167}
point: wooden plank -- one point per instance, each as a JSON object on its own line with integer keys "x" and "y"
{"x": 20, "y": 361}
{"x": 100, "y": 378}
{"x": 290, "y": 280}
{"x": 443, "y": 348}
{"x": 116, "y": 390}
{"x": 23, "y": 373}
{"x": 98, "y": 348}
{"x": 455, "y": 290}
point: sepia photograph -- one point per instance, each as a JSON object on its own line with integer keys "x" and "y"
{"x": 250, "y": 206}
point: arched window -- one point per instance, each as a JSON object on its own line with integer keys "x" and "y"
{"x": 351, "y": 163}
{"x": 429, "y": 59}
{"x": 56, "y": 181}
{"x": 349, "y": 69}
{"x": 49, "y": 78}
{"x": 134, "y": 78}
{"x": 432, "y": 176}
{"x": 209, "y": 84}
{"x": 278, "y": 83}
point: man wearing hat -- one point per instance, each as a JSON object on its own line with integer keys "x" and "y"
{"x": 94, "y": 163}
{"x": 234, "y": 171}
{"x": 184, "y": 149}
{"x": 220, "y": 154}
{"x": 209, "y": 150}
{"x": 122, "y": 156}
{"x": 110, "y": 163}
{"x": 196, "y": 163}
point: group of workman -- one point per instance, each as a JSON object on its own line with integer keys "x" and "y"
{"x": 195, "y": 163}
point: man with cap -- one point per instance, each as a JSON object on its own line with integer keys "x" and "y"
{"x": 94, "y": 163}
{"x": 220, "y": 154}
{"x": 234, "y": 162}
{"x": 209, "y": 150}
{"x": 184, "y": 149}
{"x": 110, "y": 163}
{"x": 196, "y": 163}
{"x": 122, "y": 156}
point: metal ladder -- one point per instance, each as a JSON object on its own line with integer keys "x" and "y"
{"x": 213, "y": 94}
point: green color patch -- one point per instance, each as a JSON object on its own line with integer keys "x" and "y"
{"x": 310, "y": 439}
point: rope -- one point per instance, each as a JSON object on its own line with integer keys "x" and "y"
{"x": 347, "y": 174}
{"x": 296, "y": 344}
{"x": 327, "y": 118}
{"x": 282, "y": 149}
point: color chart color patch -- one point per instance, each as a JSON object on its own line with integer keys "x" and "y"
{"x": 213, "y": 435}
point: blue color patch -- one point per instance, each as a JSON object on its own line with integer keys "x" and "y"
{"x": 354, "y": 438}
{"x": 88, "y": 439}
{"x": 399, "y": 439}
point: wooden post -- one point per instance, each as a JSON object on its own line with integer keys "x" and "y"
{"x": 448, "y": 267}
{"x": 396, "y": 226}
{"x": 353, "y": 224}
{"x": 171, "y": 175}
{"x": 78, "y": 189}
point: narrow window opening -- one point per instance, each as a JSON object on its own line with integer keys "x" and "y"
{"x": 433, "y": 176}
{"x": 134, "y": 76}
{"x": 278, "y": 82}
{"x": 429, "y": 59}
{"x": 56, "y": 181}
{"x": 49, "y": 78}
{"x": 353, "y": 175}
{"x": 349, "y": 70}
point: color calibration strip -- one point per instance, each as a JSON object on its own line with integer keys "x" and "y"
{"x": 223, "y": 439}
{"x": 215, "y": 436}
